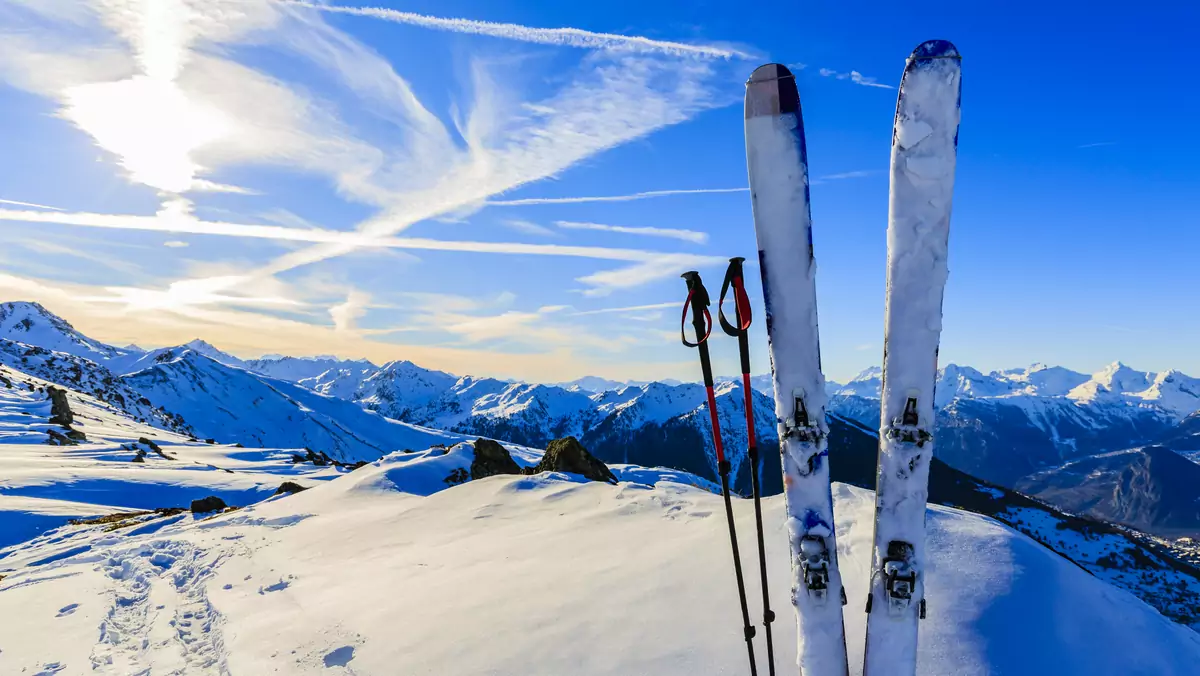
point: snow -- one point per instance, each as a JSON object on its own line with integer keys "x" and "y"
{"x": 518, "y": 576}
{"x": 35, "y": 325}
{"x": 390, "y": 569}
{"x": 214, "y": 397}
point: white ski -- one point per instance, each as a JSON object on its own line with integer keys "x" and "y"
{"x": 924, "y": 146}
{"x": 778, "y": 168}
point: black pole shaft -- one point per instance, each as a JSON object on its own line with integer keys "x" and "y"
{"x": 739, "y": 287}
{"x": 698, "y": 296}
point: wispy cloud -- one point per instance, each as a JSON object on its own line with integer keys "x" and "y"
{"x": 649, "y": 194}
{"x": 30, "y": 204}
{"x": 185, "y": 223}
{"x": 631, "y": 308}
{"x": 528, "y": 228}
{"x": 1097, "y": 144}
{"x": 565, "y": 37}
{"x": 686, "y": 235}
{"x": 669, "y": 265}
{"x": 863, "y": 173}
{"x": 175, "y": 244}
{"x": 855, "y": 77}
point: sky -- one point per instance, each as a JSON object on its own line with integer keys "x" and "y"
{"x": 420, "y": 180}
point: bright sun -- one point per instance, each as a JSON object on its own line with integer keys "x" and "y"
{"x": 151, "y": 124}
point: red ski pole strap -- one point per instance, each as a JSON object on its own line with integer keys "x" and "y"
{"x": 741, "y": 302}
{"x": 683, "y": 322}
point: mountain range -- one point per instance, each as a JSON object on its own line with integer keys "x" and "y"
{"x": 1002, "y": 427}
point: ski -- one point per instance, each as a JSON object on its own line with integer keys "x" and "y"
{"x": 777, "y": 164}
{"x": 924, "y": 145}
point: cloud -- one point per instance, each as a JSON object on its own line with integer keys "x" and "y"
{"x": 686, "y": 235}
{"x": 174, "y": 221}
{"x": 566, "y": 37}
{"x": 30, "y": 204}
{"x": 632, "y": 308}
{"x": 863, "y": 173}
{"x": 855, "y": 77}
{"x": 175, "y": 244}
{"x": 347, "y": 313}
{"x": 529, "y": 228}
{"x": 611, "y": 198}
{"x": 1098, "y": 144}
{"x": 667, "y": 265}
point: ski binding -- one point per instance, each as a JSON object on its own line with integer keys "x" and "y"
{"x": 901, "y": 578}
{"x": 907, "y": 428}
{"x": 798, "y": 426}
{"x": 815, "y": 566}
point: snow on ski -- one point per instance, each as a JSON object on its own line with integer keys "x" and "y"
{"x": 778, "y": 167}
{"x": 924, "y": 143}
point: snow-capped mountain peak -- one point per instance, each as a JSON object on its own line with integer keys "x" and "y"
{"x": 33, "y": 324}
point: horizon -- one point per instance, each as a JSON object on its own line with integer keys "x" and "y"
{"x": 392, "y": 185}
{"x": 866, "y": 371}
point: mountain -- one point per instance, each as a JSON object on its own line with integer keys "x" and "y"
{"x": 32, "y": 324}
{"x": 1152, "y": 489}
{"x": 401, "y": 387}
{"x": 90, "y": 380}
{"x": 298, "y": 369}
{"x": 1005, "y": 425}
{"x": 594, "y": 384}
{"x": 231, "y": 405}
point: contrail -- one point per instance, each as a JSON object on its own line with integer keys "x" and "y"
{"x": 195, "y": 226}
{"x": 610, "y": 198}
{"x": 686, "y": 235}
{"x": 633, "y": 308}
{"x": 567, "y": 37}
{"x": 30, "y": 204}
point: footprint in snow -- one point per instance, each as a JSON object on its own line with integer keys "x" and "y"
{"x": 339, "y": 657}
{"x": 67, "y": 610}
{"x": 51, "y": 668}
{"x": 278, "y": 586}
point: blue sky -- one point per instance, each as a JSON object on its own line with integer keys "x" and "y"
{"x": 279, "y": 178}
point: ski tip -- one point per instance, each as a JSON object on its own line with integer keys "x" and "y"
{"x": 935, "y": 49}
{"x": 771, "y": 90}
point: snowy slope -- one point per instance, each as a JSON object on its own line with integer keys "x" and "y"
{"x": 33, "y": 324}
{"x": 364, "y": 575}
{"x": 87, "y": 377}
{"x": 234, "y": 405}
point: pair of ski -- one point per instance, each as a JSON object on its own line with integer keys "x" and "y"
{"x": 924, "y": 146}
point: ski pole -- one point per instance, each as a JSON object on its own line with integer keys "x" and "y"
{"x": 741, "y": 315}
{"x": 698, "y": 302}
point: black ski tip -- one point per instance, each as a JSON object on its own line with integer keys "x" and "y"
{"x": 935, "y": 49}
{"x": 771, "y": 90}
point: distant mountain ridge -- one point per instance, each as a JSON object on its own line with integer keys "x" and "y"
{"x": 1000, "y": 426}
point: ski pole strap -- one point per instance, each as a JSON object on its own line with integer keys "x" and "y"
{"x": 697, "y": 301}
{"x": 741, "y": 303}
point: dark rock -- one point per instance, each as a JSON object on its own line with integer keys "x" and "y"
{"x": 568, "y": 455}
{"x": 76, "y": 435}
{"x": 210, "y": 504}
{"x": 138, "y": 458}
{"x": 238, "y": 445}
{"x": 210, "y": 441}
{"x": 59, "y": 439}
{"x": 491, "y": 459}
{"x": 289, "y": 487}
{"x": 458, "y": 476}
{"x": 150, "y": 443}
{"x": 60, "y": 408}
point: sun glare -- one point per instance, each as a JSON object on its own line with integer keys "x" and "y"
{"x": 151, "y": 124}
